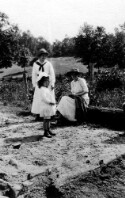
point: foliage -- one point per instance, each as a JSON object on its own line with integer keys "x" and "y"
{"x": 24, "y": 56}
{"x": 43, "y": 43}
{"x": 94, "y": 45}
{"x": 108, "y": 89}
{"x": 111, "y": 99}
{"x": 14, "y": 93}
{"x": 119, "y": 48}
{"x": 26, "y": 39}
{"x": 62, "y": 87}
{"x": 91, "y": 45}
{"x": 13, "y": 42}
{"x": 34, "y": 44}
{"x": 57, "y": 49}
{"x": 108, "y": 80}
{"x": 8, "y": 42}
{"x": 64, "y": 48}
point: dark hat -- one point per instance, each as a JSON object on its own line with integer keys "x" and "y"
{"x": 42, "y": 51}
{"x": 73, "y": 71}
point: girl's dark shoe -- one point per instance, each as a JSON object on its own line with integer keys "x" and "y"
{"x": 38, "y": 119}
{"x": 51, "y": 133}
{"x": 46, "y": 134}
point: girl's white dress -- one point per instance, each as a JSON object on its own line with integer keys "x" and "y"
{"x": 48, "y": 68}
{"x": 46, "y": 110}
{"x": 66, "y": 105}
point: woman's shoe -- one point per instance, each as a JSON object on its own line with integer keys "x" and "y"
{"x": 51, "y": 133}
{"x": 47, "y": 134}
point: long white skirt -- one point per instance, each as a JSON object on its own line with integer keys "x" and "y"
{"x": 35, "y": 109}
{"x": 67, "y": 108}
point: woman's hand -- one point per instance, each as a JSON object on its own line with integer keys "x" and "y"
{"x": 80, "y": 93}
{"x": 52, "y": 87}
{"x": 52, "y": 103}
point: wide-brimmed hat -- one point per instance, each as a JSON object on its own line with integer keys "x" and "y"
{"x": 74, "y": 71}
{"x": 41, "y": 52}
{"x": 41, "y": 75}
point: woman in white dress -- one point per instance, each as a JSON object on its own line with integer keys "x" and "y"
{"x": 41, "y": 65}
{"x": 79, "y": 89}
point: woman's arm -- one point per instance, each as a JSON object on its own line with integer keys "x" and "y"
{"x": 52, "y": 75}
{"x": 80, "y": 93}
{"x": 34, "y": 75}
{"x": 84, "y": 87}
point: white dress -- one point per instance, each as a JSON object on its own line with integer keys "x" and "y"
{"x": 66, "y": 105}
{"x": 46, "y": 110}
{"x": 48, "y": 68}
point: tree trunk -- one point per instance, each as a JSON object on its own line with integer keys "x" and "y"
{"x": 25, "y": 81}
{"x": 91, "y": 71}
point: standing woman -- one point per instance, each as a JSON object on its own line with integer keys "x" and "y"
{"x": 41, "y": 65}
{"x": 73, "y": 107}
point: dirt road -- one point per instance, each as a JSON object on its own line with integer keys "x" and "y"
{"x": 67, "y": 165}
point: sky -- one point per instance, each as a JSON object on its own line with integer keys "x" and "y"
{"x": 54, "y": 19}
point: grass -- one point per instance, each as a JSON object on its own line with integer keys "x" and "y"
{"x": 64, "y": 64}
{"x": 61, "y": 65}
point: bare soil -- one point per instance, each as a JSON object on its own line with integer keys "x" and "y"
{"x": 79, "y": 162}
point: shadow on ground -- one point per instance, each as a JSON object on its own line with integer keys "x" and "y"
{"x": 119, "y": 139}
{"x": 32, "y": 138}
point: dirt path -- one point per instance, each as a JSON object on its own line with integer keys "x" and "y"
{"x": 25, "y": 155}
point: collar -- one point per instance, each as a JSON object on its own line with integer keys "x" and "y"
{"x": 45, "y": 61}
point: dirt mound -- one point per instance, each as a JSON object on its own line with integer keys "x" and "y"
{"x": 106, "y": 181}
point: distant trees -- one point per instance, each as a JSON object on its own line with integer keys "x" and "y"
{"x": 94, "y": 45}
{"x": 8, "y": 42}
{"x": 13, "y": 41}
{"x": 119, "y": 47}
{"x": 91, "y": 45}
{"x": 64, "y": 48}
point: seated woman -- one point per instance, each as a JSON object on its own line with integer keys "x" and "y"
{"x": 73, "y": 107}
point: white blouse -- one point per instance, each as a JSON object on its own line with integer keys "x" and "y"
{"x": 78, "y": 86}
{"x": 48, "y": 68}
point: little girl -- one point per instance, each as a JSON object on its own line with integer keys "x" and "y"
{"x": 47, "y": 103}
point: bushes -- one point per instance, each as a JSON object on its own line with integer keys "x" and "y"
{"x": 109, "y": 80}
{"x": 13, "y": 93}
{"x": 111, "y": 99}
{"x": 106, "y": 91}
{"x": 62, "y": 87}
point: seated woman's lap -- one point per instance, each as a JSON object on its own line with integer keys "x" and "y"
{"x": 67, "y": 108}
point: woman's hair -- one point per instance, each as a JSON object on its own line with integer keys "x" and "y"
{"x": 42, "y": 80}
